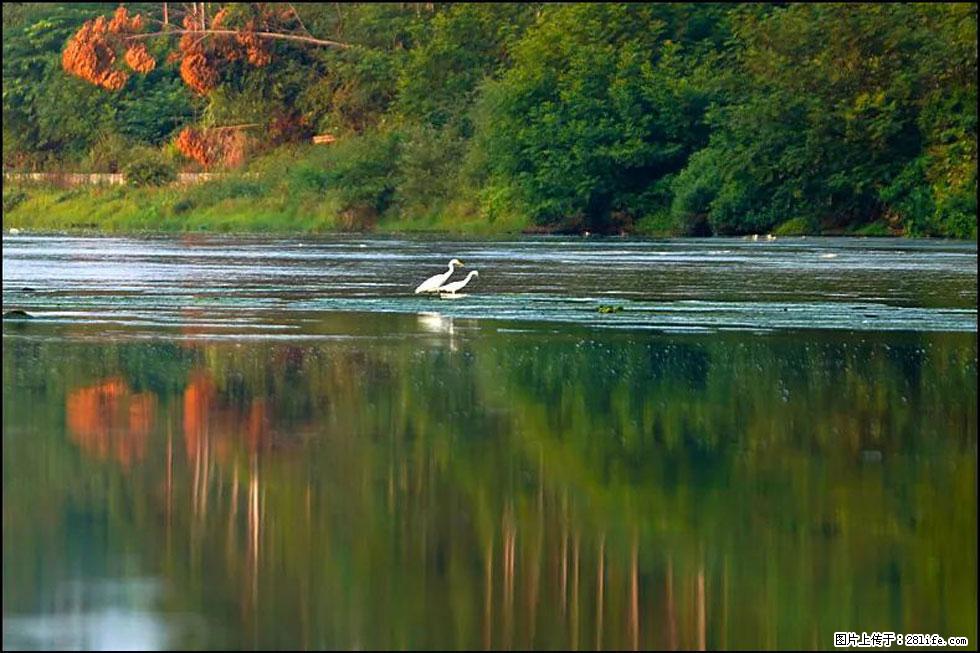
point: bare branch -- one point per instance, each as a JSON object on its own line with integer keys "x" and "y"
{"x": 241, "y": 126}
{"x": 299, "y": 20}
{"x": 231, "y": 32}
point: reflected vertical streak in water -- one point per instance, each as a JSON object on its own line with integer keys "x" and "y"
{"x": 671, "y": 610}
{"x": 205, "y": 474}
{"x": 253, "y": 542}
{"x": 233, "y": 513}
{"x": 170, "y": 484}
{"x": 574, "y": 621}
{"x": 724, "y": 605}
{"x": 634, "y": 600}
{"x": 564, "y": 569}
{"x": 601, "y": 586}
{"x": 540, "y": 554}
{"x": 488, "y": 597}
{"x": 509, "y": 537}
{"x": 702, "y": 636}
{"x": 391, "y": 490}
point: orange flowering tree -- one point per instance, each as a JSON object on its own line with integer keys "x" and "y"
{"x": 206, "y": 38}
{"x": 206, "y": 41}
{"x": 93, "y": 51}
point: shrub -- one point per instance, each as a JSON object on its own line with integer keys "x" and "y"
{"x": 110, "y": 153}
{"x": 362, "y": 172}
{"x": 309, "y": 177}
{"x": 12, "y": 199}
{"x": 229, "y": 189}
{"x": 183, "y": 205}
{"x": 428, "y": 167}
{"x": 656, "y": 223}
{"x": 872, "y": 229}
{"x": 794, "y": 227}
{"x": 150, "y": 170}
{"x": 694, "y": 190}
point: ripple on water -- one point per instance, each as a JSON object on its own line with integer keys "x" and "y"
{"x": 259, "y": 286}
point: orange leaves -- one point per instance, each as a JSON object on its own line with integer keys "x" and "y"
{"x": 210, "y": 147}
{"x": 139, "y": 59}
{"x": 90, "y": 55}
{"x": 256, "y": 50}
{"x": 206, "y": 44}
{"x": 219, "y": 18}
{"x": 202, "y": 52}
{"x": 92, "y": 52}
{"x": 198, "y": 73}
{"x": 122, "y": 23}
{"x": 194, "y": 144}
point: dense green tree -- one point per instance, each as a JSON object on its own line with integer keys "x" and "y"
{"x": 595, "y": 111}
{"x": 842, "y": 114}
{"x": 50, "y": 118}
{"x": 467, "y": 43}
{"x": 692, "y": 118}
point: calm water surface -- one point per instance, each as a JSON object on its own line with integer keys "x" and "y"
{"x": 215, "y": 442}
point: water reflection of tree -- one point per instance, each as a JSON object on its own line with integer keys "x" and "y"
{"x": 616, "y": 493}
{"x": 108, "y": 420}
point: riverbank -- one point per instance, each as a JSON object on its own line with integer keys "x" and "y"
{"x": 235, "y": 204}
{"x": 240, "y": 204}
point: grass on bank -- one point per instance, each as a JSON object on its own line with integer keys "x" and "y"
{"x": 304, "y": 189}
{"x": 220, "y": 206}
{"x": 239, "y": 204}
{"x": 295, "y": 189}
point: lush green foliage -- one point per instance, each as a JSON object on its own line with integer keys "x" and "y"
{"x": 150, "y": 170}
{"x": 684, "y": 118}
{"x": 841, "y": 115}
{"x": 53, "y": 120}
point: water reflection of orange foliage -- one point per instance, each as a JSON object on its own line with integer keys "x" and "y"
{"x": 258, "y": 424}
{"x": 197, "y": 407}
{"x": 107, "y": 420}
{"x": 210, "y": 421}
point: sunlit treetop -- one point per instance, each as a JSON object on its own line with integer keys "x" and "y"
{"x": 207, "y": 41}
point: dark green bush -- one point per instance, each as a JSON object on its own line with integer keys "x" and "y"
{"x": 308, "y": 177}
{"x": 12, "y": 199}
{"x": 183, "y": 205}
{"x": 110, "y": 153}
{"x": 150, "y": 170}
{"x": 362, "y": 171}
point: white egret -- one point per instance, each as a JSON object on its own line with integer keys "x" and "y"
{"x": 433, "y": 283}
{"x": 452, "y": 288}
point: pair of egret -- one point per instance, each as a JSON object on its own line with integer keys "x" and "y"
{"x": 437, "y": 283}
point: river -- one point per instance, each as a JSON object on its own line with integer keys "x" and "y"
{"x": 219, "y": 442}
